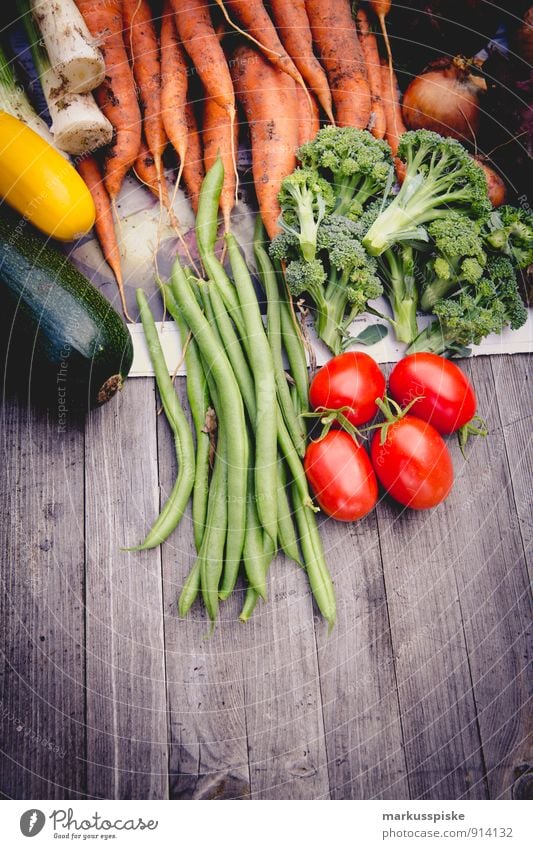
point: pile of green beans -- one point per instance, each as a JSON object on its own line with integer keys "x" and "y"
{"x": 249, "y": 490}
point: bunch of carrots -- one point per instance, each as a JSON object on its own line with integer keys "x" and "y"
{"x": 288, "y": 65}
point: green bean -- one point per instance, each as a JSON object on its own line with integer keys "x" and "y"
{"x": 253, "y": 552}
{"x": 190, "y": 590}
{"x": 295, "y": 351}
{"x": 252, "y": 596}
{"x": 206, "y": 236}
{"x": 286, "y": 532}
{"x": 260, "y": 359}
{"x": 216, "y": 312}
{"x": 211, "y": 555}
{"x": 315, "y": 564}
{"x": 268, "y": 277}
{"x": 175, "y": 505}
{"x": 199, "y": 402}
{"x": 229, "y": 407}
{"x": 290, "y": 455}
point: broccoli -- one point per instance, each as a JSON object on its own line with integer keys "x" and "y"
{"x": 487, "y": 306}
{"x": 356, "y": 164}
{"x": 459, "y": 257}
{"x": 510, "y": 230}
{"x": 340, "y": 280}
{"x": 397, "y": 269}
{"x": 441, "y": 178}
{"x": 305, "y": 198}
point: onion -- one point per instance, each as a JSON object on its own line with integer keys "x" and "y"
{"x": 496, "y": 186}
{"x": 445, "y": 99}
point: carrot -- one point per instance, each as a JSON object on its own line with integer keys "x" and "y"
{"x": 255, "y": 18}
{"x": 196, "y": 31}
{"x": 295, "y": 32}
{"x": 104, "y": 224}
{"x": 220, "y": 138}
{"x": 143, "y": 50}
{"x": 268, "y": 97}
{"x": 308, "y": 121}
{"x": 193, "y": 164}
{"x": 335, "y": 37}
{"x": 369, "y": 47}
{"x": 393, "y": 115}
{"x": 116, "y": 96}
{"x": 174, "y": 80}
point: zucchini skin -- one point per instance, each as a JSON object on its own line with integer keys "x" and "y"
{"x": 80, "y": 350}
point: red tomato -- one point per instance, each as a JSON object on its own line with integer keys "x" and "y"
{"x": 413, "y": 464}
{"x": 341, "y": 476}
{"x": 449, "y": 400}
{"x": 350, "y": 380}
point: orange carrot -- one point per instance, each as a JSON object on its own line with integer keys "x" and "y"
{"x": 143, "y": 50}
{"x": 293, "y": 26}
{"x": 193, "y": 165}
{"x": 335, "y": 37}
{"x": 196, "y": 31}
{"x": 116, "y": 96}
{"x": 255, "y": 18}
{"x": 145, "y": 170}
{"x": 308, "y": 120}
{"x": 104, "y": 224}
{"x": 268, "y": 97}
{"x": 174, "y": 80}
{"x": 217, "y": 139}
{"x": 369, "y": 47}
{"x": 393, "y": 114}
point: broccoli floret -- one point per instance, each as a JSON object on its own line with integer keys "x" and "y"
{"x": 353, "y": 161}
{"x": 307, "y": 277}
{"x": 305, "y": 198}
{"x": 285, "y": 246}
{"x": 458, "y": 257}
{"x": 510, "y": 230}
{"x": 351, "y": 282}
{"x": 441, "y": 178}
{"x": 488, "y": 306}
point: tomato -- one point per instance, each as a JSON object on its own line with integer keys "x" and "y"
{"x": 413, "y": 464}
{"x": 449, "y": 400}
{"x": 341, "y": 475}
{"x": 351, "y": 380}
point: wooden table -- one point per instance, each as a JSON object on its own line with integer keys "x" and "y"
{"x": 420, "y": 691}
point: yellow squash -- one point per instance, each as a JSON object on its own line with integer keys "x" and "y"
{"x": 41, "y": 184}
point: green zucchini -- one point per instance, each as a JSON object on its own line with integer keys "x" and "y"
{"x": 56, "y": 324}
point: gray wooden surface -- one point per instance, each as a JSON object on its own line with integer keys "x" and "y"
{"x": 420, "y": 692}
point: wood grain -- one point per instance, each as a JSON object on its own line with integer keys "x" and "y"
{"x": 42, "y": 706}
{"x": 361, "y": 710}
{"x": 126, "y": 705}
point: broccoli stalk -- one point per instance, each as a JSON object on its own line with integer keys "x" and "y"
{"x": 487, "y": 306}
{"x": 355, "y": 163}
{"x": 397, "y": 267}
{"x": 305, "y": 198}
{"x": 459, "y": 258}
{"x": 441, "y": 178}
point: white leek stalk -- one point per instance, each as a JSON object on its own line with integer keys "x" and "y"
{"x": 78, "y": 125}
{"x": 71, "y": 49}
{"x": 14, "y": 101}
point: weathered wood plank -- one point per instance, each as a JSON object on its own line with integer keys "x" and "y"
{"x": 491, "y": 571}
{"x": 42, "y": 708}
{"x": 514, "y": 395}
{"x": 361, "y": 710}
{"x": 440, "y": 733}
{"x": 284, "y": 709}
{"x": 126, "y": 706}
{"x": 208, "y": 745}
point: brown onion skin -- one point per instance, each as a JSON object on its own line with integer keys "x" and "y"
{"x": 445, "y": 100}
{"x": 496, "y": 186}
